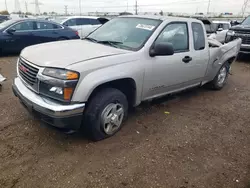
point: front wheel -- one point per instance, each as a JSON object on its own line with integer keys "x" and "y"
{"x": 105, "y": 114}
{"x": 221, "y": 78}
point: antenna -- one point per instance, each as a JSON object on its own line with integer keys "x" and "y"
{"x": 243, "y": 10}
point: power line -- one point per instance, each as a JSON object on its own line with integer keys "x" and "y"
{"x": 243, "y": 10}
{"x": 37, "y": 8}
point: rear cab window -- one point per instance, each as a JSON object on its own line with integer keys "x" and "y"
{"x": 198, "y": 36}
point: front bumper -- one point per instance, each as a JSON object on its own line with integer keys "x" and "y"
{"x": 245, "y": 48}
{"x": 58, "y": 115}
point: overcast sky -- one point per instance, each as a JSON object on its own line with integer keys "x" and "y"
{"x": 188, "y": 6}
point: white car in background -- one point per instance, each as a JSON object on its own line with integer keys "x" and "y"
{"x": 83, "y": 24}
{"x": 221, "y": 28}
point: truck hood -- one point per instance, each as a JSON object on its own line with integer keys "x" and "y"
{"x": 240, "y": 28}
{"x": 64, "y": 53}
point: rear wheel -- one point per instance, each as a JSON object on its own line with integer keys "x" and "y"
{"x": 221, "y": 78}
{"x": 105, "y": 114}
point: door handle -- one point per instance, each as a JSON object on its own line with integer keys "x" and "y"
{"x": 187, "y": 59}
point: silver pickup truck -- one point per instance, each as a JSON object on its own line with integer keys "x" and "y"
{"x": 89, "y": 84}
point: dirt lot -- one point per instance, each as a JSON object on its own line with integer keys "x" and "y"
{"x": 203, "y": 142}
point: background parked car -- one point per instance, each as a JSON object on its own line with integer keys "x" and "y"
{"x": 83, "y": 24}
{"x": 18, "y": 34}
{"x": 221, "y": 28}
{"x": 4, "y": 18}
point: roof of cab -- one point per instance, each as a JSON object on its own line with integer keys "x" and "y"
{"x": 163, "y": 18}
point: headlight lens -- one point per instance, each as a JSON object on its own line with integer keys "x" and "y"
{"x": 61, "y": 74}
{"x": 229, "y": 36}
{"x": 61, "y": 88}
{"x": 230, "y": 33}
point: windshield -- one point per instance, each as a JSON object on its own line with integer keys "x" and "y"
{"x": 224, "y": 26}
{"x": 128, "y": 33}
{"x": 6, "y": 23}
{"x": 246, "y": 21}
{"x": 59, "y": 20}
{"x": 209, "y": 28}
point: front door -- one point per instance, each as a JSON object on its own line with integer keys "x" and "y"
{"x": 181, "y": 70}
{"x": 20, "y": 37}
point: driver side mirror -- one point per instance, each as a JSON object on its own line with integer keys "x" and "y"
{"x": 162, "y": 49}
{"x": 11, "y": 31}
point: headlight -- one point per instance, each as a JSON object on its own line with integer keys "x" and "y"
{"x": 229, "y": 36}
{"x": 230, "y": 33}
{"x": 61, "y": 88}
{"x": 61, "y": 74}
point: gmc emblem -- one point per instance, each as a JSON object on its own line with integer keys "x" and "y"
{"x": 23, "y": 68}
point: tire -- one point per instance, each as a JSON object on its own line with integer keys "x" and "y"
{"x": 102, "y": 118}
{"x": 220, "y": 79}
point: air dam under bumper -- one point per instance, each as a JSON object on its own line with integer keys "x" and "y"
{"x": 58, "y": 115}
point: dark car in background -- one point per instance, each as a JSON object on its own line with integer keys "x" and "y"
{"x": 242, "y": 31}
{"x": 18, "y": 34}
{"x": 4, "y": 18}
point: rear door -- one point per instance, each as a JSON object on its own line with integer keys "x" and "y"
{"x": 21, "y": 37}
{"x": 46, "y": 32}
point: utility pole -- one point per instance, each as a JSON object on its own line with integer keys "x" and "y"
{"x": 6, "y": 7}
{"x": 80, "y": 7}
{"x": 208, "y": 7}
{"x": 127, "y": 5}
{"x": 17, "y": 6}
{"x": 37, "y": 8}
{"x": 136, "y": 8}
{"x": 245, "y": 5}
{"x": 66, "y": 9}
{"x": 26, "y": 6}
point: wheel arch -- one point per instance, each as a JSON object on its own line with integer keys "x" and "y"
{"x": 125, "y": 85}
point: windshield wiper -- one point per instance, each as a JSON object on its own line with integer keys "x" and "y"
{"x": 110, "y": 42}
{"x": 90, "y": 39}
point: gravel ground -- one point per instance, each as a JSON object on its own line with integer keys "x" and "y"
{"x": 203, "y": 142}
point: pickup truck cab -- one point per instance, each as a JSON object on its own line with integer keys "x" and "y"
{"x": 89, "y": 84}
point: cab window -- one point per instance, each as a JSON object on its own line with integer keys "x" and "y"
{"x": 24, "y": 26}
{"x": 71, "y": 22}
{"x": 177, "y": 35}
{"x": 198, "y": 36}
{"x": 82, "y": 21}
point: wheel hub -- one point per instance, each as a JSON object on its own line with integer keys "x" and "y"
{"x": 111, "y": 118}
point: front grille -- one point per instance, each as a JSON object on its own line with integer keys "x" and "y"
{"x": 27, "y": 72}
{"x": 243, "y": 32}
{"x": 245, "y": 39}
